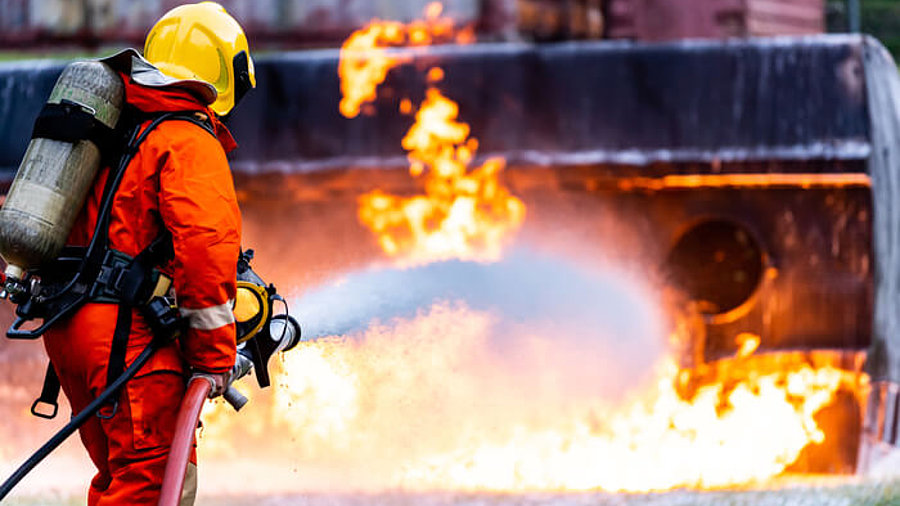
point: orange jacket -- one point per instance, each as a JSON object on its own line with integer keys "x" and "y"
{"x": 179, "y": 179}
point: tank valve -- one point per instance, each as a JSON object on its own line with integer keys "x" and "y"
{"x": 14, "y": 287}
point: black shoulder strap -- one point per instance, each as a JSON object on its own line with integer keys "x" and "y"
{"x": 116, "y": 364}
{"x": 155, "y": 253}
{"x": 197, "y": 119}
{"x": 100, "y": 240}
{"x": 158, "y": 251}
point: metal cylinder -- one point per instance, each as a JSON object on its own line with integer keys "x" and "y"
{"x": 285, "y": 331}
{"x": 55, "y": 177}
{"x": 243, "y": 364}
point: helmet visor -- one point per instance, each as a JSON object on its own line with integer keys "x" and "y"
{"x": 242, "y": 81}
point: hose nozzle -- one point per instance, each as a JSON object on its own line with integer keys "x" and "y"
{"x": 284, "y": 330}
{"x": 235, "y": 398}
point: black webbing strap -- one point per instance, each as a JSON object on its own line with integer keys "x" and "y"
{"x": 139, "y": 281}
{"x": 49, "y": 395}
{"x": 70, "y": 122}
{"x": 116, "y": 364}
{"x": 159, "y": 251}
{"x": 193, "y": 118}
{"x": 137, "y": 287}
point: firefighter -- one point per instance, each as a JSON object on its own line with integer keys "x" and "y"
{"x": 196, "y": 60}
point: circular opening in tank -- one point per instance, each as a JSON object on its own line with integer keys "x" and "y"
{"x": 718, "y": 264}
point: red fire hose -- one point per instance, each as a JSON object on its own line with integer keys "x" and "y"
{"x": 179, "y": 454}
{"x": 198, "y": 390}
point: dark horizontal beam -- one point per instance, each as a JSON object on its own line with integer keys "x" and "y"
{"x": 571, "y": 104}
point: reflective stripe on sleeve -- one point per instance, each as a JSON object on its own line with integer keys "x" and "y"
{"x": 210, "y": 318}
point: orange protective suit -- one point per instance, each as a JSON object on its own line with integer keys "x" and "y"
{"x": 180, "y": 180}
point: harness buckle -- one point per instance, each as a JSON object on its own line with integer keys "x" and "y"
{"x": 102, "y": 412}
{"x": 42, "y": 414}
{"x": 118, "y": 274}
{"x": 112, "y": 274}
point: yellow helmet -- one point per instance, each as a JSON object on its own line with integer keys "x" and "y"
{"x": 203, "y": 42}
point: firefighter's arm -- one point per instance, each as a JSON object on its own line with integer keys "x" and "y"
{"x": 198, "y": 205}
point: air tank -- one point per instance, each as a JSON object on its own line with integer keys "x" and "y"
{"x": 55, "y": 177}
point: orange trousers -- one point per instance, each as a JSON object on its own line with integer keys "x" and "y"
{"x": 130, "y": 448}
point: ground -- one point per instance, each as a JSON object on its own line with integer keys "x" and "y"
{"x": 870, "y": 493}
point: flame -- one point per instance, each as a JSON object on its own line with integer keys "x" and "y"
{"x": 465, "y": 213}
{"x": 747, "y": 344}
{"x": 432, "y": 402}
{"x": 439, "y": 408}
{"x": 658, "y": 442}
{"x": 365, "y": 59}
{"x": 364, "y": 64}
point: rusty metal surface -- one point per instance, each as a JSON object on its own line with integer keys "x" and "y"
{"x": 777, "y": 17}
{"x": 676, "y": 19}
{"x": 26, "y": 22}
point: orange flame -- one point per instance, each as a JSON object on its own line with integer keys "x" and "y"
{"x": 432, "y": 403}
{"x": 365, "y": 59}
{"x": 657, "y": 443}
{"x": 748, "y": 343}
{"x": 365, "y": 62}
{"x": 464, "y": 214}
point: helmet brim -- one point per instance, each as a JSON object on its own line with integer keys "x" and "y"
{"x": 130, "y": 62}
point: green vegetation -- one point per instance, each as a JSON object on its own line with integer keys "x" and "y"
{"x": 880, "y": 18}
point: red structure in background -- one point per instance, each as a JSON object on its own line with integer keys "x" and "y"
{"x": 676, "y": 19}
{"x": 304, "y": 23}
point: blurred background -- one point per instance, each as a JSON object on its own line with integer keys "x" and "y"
{"x": 31, "y": 27}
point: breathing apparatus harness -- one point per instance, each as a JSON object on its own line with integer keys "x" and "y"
{"x": 99, "y": 273}
{"x": 51, "y": 300}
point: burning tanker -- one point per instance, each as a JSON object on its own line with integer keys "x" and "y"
{"x": 470, "y": 362}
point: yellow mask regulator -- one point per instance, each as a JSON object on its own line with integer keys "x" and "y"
{"x": 261, "y": 331}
